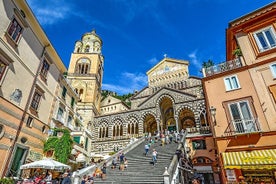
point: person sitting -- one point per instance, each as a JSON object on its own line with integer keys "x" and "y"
{"x": 125, "y": 163}
{"x": 97, "y": 173}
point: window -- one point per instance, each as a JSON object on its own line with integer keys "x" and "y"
{"x": 36, "y": 100}
{"x": 1, "y": 131}
{"x": 64, "y": 90}
{"x": 72, "y": 102}
{"x": 2, "y": 69}
{"x": 231, "y": 83}
{"x": 266, "y": 39}
{"x": 199, "y": 144}
{"x": 15, "y": 30}
{"x": 273, "y": 70}
{"x": 69, "y": 120}
{"x": 242, "y": 117}
{"x": 83, "y": 66}
{"x": 272, "y": 90}
{"x": 45, "y": 68}
{"x": 60, "y": 113}
{"x": 87, "y": 48}
{"x": 29, "y": 121}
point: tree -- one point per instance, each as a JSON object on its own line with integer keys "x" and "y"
{"x": 60, "y": 146}
{"x": 207, "y": 64}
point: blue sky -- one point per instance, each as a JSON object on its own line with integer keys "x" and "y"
{"x": 137, "y": 33}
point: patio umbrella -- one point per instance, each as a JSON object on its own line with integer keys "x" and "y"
{"x": 46, "y": 163}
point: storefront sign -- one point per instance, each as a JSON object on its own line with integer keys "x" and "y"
{"x": 254, "y": 167}
{"x": 34, "y": 156}
{"x": 231, "y": 175}
{"x": 257, "y": 159}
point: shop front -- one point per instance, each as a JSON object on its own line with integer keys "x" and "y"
{"x": 258, "y": 166}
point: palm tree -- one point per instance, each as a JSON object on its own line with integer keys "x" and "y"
{"x": 207, "y": 64}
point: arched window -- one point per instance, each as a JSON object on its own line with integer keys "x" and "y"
{"x": 82, "y": 66}
{"x": 87, "y": 48}
{"x": 81, "y": 94}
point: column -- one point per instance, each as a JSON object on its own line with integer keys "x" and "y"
{"x": 176, "y": 123}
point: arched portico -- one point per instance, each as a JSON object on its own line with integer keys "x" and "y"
{"x": 168, "y": 121}
{"x": 150, "y": 124}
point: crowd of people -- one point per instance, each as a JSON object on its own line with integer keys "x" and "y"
{"x": 46, "y": 177}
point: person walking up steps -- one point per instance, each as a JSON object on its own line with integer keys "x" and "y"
{"x": 154, "y": 156}
{"x": 146, "y": 149}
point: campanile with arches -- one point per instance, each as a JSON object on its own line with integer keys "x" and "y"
{"x": 85, "y": 74}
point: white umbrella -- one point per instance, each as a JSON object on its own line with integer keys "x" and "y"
{"x": 46, "y": 163}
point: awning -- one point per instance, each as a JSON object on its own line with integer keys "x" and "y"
{"x": 258, "y": 159}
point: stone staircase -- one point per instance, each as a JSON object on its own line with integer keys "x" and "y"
{"x": 140, "y": 168}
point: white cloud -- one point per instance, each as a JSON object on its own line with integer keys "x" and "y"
{"x": 153, "y": 61}
{"x": 195, "y": 62}
{"x": 51, "y": 11}
{"x": 128, "y": 83}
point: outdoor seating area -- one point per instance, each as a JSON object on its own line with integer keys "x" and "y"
{"x": 45, "y": 171}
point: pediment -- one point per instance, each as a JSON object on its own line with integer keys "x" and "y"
{"x": 167, "y": 65}
{"x": 110, "y": 100}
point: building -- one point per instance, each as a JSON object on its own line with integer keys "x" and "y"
{"x": 29, "y": 71}
{"x": 243, "y": 108}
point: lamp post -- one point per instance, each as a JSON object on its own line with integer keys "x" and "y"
{"x": 213, "y": 111}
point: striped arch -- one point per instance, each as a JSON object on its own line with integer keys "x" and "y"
{"x": 161, "y": 97}
{"x": 188, "y": 117}
{"x": 145, "y": 113}
{"x": 150, "y": 124}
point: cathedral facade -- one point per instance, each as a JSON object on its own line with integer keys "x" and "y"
{"x": 172, "y": 100}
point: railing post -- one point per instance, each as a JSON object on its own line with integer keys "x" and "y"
{"x": 166, "y": 176}
{"x": 76, "y": 177}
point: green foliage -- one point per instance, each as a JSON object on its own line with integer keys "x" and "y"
{"x": 207, "y": 64}
{"x": 112, "y": 153}
{"x": 6, "y": 181}
{"x": 237, "y": 52}
{"x": 124, "y": 98}
{"x": 61, "y": 146}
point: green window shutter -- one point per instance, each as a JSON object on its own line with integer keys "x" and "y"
{"x": 77, "y": 139}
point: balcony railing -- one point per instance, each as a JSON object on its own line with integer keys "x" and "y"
{"x": 199, "y": 130}
{"x": 59, "y": 118}
{"x": 222, "y": 67}
{"x": 242, "y": 126}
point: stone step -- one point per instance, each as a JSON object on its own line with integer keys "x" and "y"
{"x": 140, "y": 168}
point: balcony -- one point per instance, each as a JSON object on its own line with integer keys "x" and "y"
{"x": 199, "y": 130}
{"x": 243, "y": 126}
{"x": 222, "y": 67}
{"x": 59, "y": 118}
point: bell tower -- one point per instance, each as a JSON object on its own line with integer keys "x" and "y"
{"x": 85, "y": 74}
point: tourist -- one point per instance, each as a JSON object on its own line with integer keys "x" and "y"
{"x": 84, "y": 179}
{"x": 104, "y": 171}
{"x": 66, "y": 179}
{"x": 49, "y": 178}
{"x": 126, "y": 163}
{"x": 146, "y": 149}
{"x": 98, "y": 172}
{"x": 154, "y": 156}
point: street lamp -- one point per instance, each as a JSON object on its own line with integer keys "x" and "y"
{"x": 213, "y": 111}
